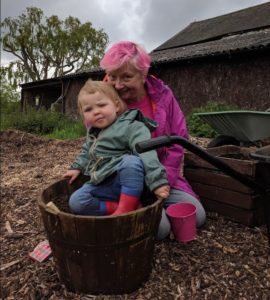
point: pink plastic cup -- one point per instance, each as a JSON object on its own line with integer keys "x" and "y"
{"x": 183, "y": 220}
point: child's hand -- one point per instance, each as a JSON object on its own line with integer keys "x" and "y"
{"x": 162, "y": 192}
{"x": 72, "y": 175}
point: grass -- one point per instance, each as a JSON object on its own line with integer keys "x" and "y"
{"x": 70, "y": 132}
{"x": 44, "y": 123}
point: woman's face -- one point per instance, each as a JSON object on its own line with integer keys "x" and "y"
{"x": 128, "y": 82}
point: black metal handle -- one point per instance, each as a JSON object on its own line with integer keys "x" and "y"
{"x": 215, "y": 161}
{"x": 154, "y": 143}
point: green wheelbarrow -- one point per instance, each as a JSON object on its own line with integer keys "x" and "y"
{"x": 237, "y": 127}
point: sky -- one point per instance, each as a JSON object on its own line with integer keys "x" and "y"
{"x": 147, "y": 22}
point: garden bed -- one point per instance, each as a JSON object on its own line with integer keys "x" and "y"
{"x": 223, "y": 194}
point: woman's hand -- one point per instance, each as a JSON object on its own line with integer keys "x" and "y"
{"x": 162, "y": 192}
{"x": 72, "y": 175}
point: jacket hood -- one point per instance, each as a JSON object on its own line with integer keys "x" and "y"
{"x": 135, "y": 115}
{"x": 155, "y": 87}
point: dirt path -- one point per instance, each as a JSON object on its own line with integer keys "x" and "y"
{"x": 226, "y": 261}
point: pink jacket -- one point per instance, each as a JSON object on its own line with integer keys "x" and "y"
{"x": 171, "y": 121}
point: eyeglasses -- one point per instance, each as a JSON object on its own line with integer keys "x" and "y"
{"x": 124, "y": 78}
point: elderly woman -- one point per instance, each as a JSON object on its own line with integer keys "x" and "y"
{"x": 126, "y": 65}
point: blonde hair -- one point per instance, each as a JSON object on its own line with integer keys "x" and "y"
{"x": 91, "y": 87}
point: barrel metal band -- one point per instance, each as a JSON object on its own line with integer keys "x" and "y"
{"x": 88, "y": 247}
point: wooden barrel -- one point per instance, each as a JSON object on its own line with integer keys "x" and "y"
{"x": 99, "y": 255}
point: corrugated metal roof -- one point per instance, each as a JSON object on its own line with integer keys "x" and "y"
{"x": 56, "y": 80}
{"x": 240, "y": 21}
{"x": 249, "y": 41}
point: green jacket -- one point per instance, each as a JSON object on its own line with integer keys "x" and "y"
{"x": 104, "y": 149}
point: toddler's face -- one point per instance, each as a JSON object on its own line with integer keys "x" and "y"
{"x": 98, "y": 110}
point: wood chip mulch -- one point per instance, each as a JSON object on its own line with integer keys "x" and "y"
{"x": 226, "y": 261}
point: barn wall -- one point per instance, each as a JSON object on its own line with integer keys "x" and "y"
{"x": 73, "y": 87}
{"x": 244, "y": 81}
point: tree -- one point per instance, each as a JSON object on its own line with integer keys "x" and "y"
{"x": 50, "y": 47}
{"x": 9, "y": 95}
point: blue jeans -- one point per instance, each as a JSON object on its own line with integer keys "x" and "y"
{"x": 177, "y": 196}
{"x": 90, "y": 199}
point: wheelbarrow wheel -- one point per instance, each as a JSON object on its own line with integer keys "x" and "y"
{"x": 223, "y": 140}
